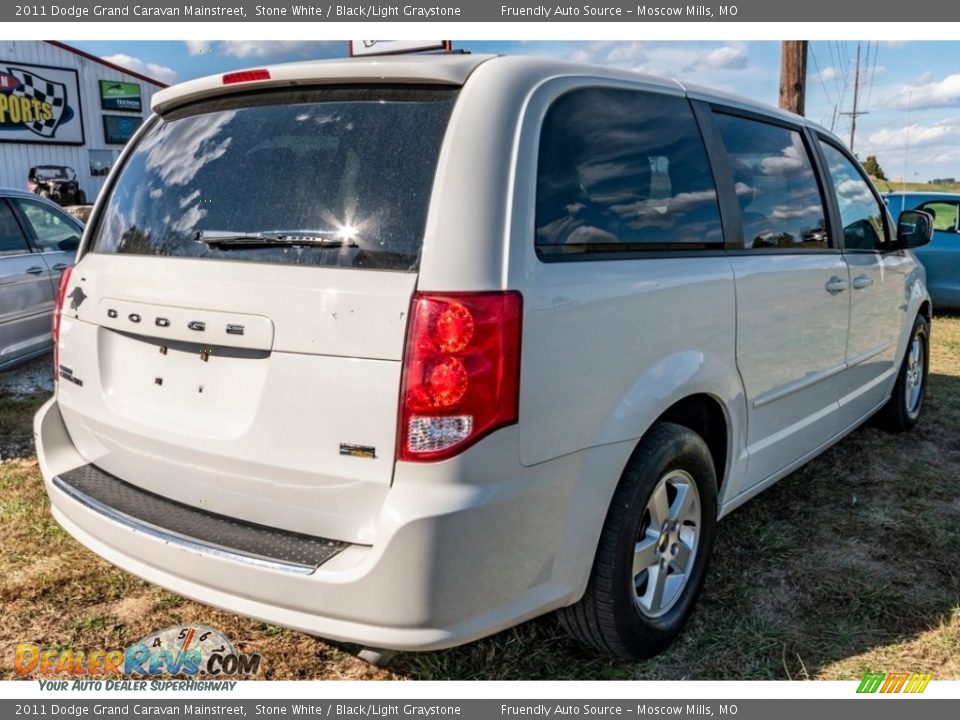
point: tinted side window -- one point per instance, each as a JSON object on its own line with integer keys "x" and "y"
{"x": 621, "y": 171}
{"x": 860, "y": 212}
{"x": 946, "y": 217}
{"x": 53, "y": 232}
{"x": 12, "y": 241}
{"x": 780, "y": 201}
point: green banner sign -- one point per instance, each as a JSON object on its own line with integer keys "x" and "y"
{"x": 115, "y": 95}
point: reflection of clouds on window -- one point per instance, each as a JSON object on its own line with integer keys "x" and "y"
{"x": 112, "y": 226}
{"x": 189, "y": 219}
{"x": 860, "y": 212}
{"x": 587, "y": 234}
{"x": 778, "y": 194}
{"x": 155, "y": 193}
{"x": 178, "y": 151}
{"x": 786, "y": 212}
{"x": 653, "y": 207}
{"x": 854, "y": 191}
{"x": 792, "y": 159}
{"x": 189, "y": 198}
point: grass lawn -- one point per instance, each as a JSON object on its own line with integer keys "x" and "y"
{"x": 848, "y": 565}
{"x": 889, "y": 186}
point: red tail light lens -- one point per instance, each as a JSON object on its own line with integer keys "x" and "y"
{"x": 57, "y": 310}
{"x": 245, "y": 76}
{"x": 461, "y": 371}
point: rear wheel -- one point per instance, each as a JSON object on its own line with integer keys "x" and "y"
{"x": 905, "y": 405}
{"x": 654, "y": 548}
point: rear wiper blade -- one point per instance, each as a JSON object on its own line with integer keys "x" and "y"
{"x": 269, "y": 238}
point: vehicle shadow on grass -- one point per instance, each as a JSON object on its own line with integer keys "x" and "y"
{"x": 847, "y": 565}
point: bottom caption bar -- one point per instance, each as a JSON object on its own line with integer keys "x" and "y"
{"x": 752, "y": 709}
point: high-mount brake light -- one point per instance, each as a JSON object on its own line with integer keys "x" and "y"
{"x": 246, "y": 76}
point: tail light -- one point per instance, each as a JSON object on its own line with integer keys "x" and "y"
{"x": 61, "y": 296}
{"x": 461, "y": 371}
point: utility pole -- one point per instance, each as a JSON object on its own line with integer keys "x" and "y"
{"x": 793, "y": 75}
{"x": 854, "y": 114}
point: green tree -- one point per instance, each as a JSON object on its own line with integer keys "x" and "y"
{"x": 873, "y": 168}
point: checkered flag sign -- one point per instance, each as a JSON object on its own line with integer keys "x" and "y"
{"x": 34, "y": 87}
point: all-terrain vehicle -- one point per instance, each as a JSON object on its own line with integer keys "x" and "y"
{"x": 57, "y": 182}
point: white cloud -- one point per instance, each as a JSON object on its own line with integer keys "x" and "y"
{"x": 918, "y": 151}
{"x": 278, "y": 48}
{"x": 946, "y": 132}
{"x": 923, "y": 95}
{"x": 725, "y": 58}
{"x": 159, "y": 72}
{"x": 664, "y": 60}
{"x": 198, "y": 47}
{"x": 825, "y": 75}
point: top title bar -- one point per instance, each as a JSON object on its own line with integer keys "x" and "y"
{"x": 479, "y": 11}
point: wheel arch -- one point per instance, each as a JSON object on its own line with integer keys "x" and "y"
{"x": 705, "y": 415}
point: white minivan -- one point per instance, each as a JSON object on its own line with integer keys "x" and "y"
{"x": 402, "y": 352}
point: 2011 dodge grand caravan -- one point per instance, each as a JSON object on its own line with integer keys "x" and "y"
{"x": 403, "y": 352}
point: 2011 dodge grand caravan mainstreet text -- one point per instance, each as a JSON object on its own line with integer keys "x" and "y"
{"x": 404, "y": 352}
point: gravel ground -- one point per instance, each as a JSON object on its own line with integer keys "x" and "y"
{"x": 29, "y": 378}
{"x": 22, "y": 389}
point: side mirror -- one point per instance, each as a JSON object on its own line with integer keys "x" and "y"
{"x": 914, "y": 228}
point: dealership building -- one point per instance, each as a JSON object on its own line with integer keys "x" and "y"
{"x": 62, "y": 106}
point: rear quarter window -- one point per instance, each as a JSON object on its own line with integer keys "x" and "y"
{"x": 623, "y": 171}
{"x": 350, "y": 168}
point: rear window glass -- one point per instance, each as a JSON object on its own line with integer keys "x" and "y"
{"x": 325, "y": 177}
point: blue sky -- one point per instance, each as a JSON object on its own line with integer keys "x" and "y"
{"x": 910, "y": 90}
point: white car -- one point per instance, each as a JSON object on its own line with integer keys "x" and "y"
{"x": 405, "y": 351}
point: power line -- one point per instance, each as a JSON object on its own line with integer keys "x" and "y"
{"x": 873, "y": 71}
{"x": 855, "y": 113}
{"x": 816, "y": 66}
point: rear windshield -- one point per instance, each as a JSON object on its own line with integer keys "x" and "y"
{"x": 324, "y": 177}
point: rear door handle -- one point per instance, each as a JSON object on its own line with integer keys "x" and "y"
{"x": 34, "y": 270}
{"x": 862, "y": 281}
{"x": 835, "y": 285}
{"x": 60, "y": 266}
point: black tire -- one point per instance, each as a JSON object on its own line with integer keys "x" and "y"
{"x": 609, "y": 617}
{"x": 902, "y": 412}
{"x": 81, "y": 197}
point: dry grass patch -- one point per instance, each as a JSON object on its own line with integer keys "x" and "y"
{"x": 848, "y": 565}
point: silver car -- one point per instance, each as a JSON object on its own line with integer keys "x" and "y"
{"x": 38, "y": 241}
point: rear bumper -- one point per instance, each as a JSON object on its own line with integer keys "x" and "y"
{"x": 451, "y": 562}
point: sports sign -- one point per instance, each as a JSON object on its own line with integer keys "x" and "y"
{"x": 39, "y": 104}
